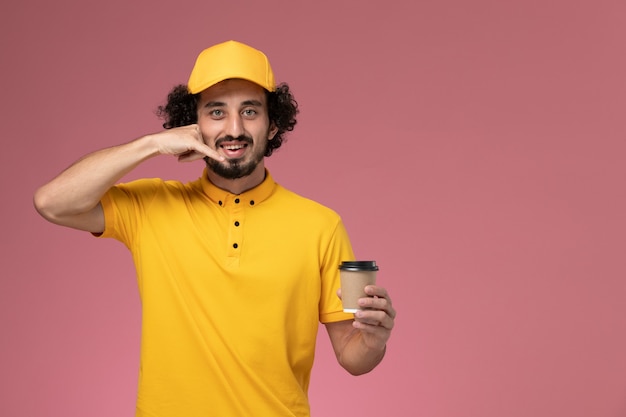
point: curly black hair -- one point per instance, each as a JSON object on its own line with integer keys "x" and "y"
{"x": 182, "y": 106}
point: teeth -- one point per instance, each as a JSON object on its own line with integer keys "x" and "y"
{"x": 232, "y": 147}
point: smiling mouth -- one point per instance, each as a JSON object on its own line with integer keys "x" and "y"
{"x": 234, "y": 147}
{"x": 233, "y": 150}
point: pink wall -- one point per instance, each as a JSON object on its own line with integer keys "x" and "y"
{"x": 474, "y": 148}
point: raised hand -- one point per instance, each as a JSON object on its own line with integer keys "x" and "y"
{"x": 185, "y": 142}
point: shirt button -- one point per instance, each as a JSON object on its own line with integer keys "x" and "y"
{"x": 251, "y": 202}
{"x": 219, "y": 202}
{"x": 237, "y": 224}
{"x": 235, "y": 245}
{"x": 236, "y": 201}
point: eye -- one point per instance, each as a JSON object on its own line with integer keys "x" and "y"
{"x": 216, "y": 113}
{"x": 249, "y": 112}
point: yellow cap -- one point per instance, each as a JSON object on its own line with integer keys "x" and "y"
{"x": 230, "y": 59}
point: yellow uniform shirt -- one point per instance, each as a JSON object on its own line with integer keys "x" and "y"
{"x": 233, "y": 288}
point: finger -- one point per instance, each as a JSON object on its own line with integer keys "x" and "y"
{"x": 372, "y": 328}
{"x": 376, "y": 303}
{"x": 198, "y": 150}
{"x": 206, "y": 151}
{"x": 377, "y": 318}
{"x": 373, "y": 290}
{"x": 371, "y": 319}
{"x": 189, "y": 156}
{"x": 379, "y": 293}
{"x": 201, "y": 147}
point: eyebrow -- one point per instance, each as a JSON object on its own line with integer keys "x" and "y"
{"x": 255, "y": 103}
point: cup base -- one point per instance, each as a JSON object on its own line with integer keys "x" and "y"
{"x": 350, "y": 310}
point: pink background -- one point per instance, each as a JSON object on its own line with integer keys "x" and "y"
{"x": 475, "y": 149}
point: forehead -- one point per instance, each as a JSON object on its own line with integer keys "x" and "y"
{"x": 233, "y": 91}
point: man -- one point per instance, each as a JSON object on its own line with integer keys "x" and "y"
{"x": 234, "y": 271}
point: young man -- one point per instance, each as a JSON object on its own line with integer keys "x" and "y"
{"x": 234, "y": 271}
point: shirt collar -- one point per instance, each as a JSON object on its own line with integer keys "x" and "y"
{"x": 251, "y": 197}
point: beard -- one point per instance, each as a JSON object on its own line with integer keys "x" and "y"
{"x": 232, "y": 169}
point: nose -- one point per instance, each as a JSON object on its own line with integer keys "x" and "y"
{"x": 234, "y": 126}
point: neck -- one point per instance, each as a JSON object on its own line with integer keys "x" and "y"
{"x": 238, "y": 185}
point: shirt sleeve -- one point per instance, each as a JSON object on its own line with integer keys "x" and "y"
{"x": 339, "y": 249}
{"x": 124, "y": 206}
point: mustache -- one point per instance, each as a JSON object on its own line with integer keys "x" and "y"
{"x": 241, "y": 138}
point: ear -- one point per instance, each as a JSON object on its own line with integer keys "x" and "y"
{"x": 272, "y": 132}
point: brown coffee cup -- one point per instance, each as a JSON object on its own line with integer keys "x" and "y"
{"x": 355, "y": 276}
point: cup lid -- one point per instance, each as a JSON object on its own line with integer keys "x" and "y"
{"x": 358, "y": 266}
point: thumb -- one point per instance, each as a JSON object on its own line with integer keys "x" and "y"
{"x": 207, "y": 151}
